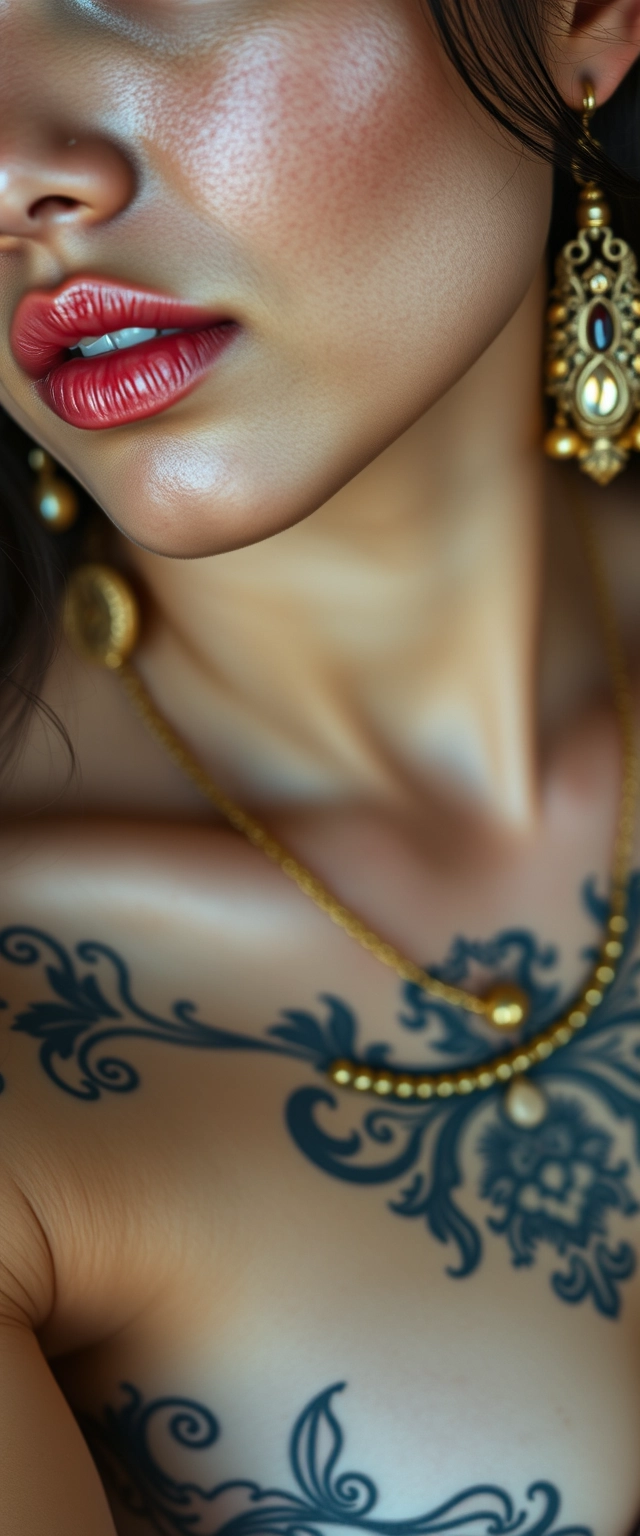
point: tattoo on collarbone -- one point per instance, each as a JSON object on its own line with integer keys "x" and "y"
{"x": 138, "y": 1446}
{"x": 563, "y": 1188}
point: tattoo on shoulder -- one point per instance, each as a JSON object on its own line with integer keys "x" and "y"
{"x": 138, "y": 1445}
{"x": 562, "y": 1189}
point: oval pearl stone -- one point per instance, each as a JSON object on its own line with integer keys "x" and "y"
{"x": 600, "y": 393}
{"x": 525, "y": 1104}
{"x": 600, "y": 328}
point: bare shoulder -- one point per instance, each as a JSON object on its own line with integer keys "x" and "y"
{"x": 104, "y": 925}
{"x": 143, "y": 968}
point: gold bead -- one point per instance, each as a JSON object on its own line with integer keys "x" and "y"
{"x": 618, "y": 923}
{"x": 561, "y": 1035}
{"x": 557, "y": 368}
{"x": 504, "y": 1071}
{"x": 636, "y": 363}
{"x": 521, "y": 1062}
{"x": 404, "y": 1088}
{"x": 605, "y": 975}
{"x": 577, "y": 1019}
{"x": 424, "y": 1088}
{"x": 593, "y": 997}
{"x": 506, "y": 1006}
{"x": 562, "y": 443}
{"x": 341, "y": 1072}
{"x": 464, "y": 1085}
{"x": 557, "y": 314}
{"x": 383, "y": 1083}
{"x": 613, "y": 949}
{"x": 56, "y": 504}
{"x": 593, "y": 209}
{"x": 101, "y": 615}
{"x": 542, "y": 1049}
{"x": 486, "y": 1079}
{"x": 363, "y": 1080}
{"x": 445, "y": 1088}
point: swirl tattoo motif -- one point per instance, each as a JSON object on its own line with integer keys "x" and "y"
{"x": 84, "y": 1013}
{"x": 558, "y": 1187}
{"x": 128, "y": 1442}
{"x": 554, "y": 1185}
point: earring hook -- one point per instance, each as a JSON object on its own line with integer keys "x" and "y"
{"x": 589, "y": 103}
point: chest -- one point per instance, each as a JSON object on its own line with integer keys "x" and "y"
{"x": 341, "y": 1323}
{"x": 282, "y": 1307}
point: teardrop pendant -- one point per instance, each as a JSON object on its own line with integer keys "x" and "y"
{"x": 55, "y": 500}
{"x": 525, "y": 1104}
{"x": 599, "y": 395}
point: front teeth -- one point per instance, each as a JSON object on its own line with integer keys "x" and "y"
{"x": 117, "y": 341}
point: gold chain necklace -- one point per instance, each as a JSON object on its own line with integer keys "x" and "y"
{"x": 102, "y": 624}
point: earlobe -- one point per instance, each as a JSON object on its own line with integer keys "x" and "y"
{"x": 601, "y": 40}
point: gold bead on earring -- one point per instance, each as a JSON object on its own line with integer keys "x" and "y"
{"x": 55, "y": 500}
{"x": 593, "y": 338}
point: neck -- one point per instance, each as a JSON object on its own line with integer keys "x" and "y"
{"x": 388, "y": 642}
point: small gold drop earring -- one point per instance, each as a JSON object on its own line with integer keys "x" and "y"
{"x": 101, "y": 615}
{"x": 55, "y": 500}
{"x": 593, "y": 338}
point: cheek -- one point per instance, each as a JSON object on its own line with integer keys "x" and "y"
{"x": 300, "y": 138}
{"x": 341, "y": 161}
{"x": 324, "y": 168}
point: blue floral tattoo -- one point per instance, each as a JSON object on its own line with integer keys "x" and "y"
{"x": 127, "y": 1441}
{"x": 560, "y": 1188}
{"x": 555, "y": 1185}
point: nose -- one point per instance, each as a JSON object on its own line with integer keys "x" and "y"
{"x": 77, "y": 182}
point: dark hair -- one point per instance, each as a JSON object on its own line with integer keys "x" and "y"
{"x": 499, "y": 49}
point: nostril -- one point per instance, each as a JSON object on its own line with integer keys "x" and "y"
{"x": 45, "y": 207}
{"x": 51, "y": 186}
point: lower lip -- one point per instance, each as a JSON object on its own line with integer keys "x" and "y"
{"x": 120, "y": 387}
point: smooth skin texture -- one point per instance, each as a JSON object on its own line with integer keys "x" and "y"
{"x": 407, "y": 683}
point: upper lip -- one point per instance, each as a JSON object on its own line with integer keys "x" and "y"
{"x": 48, "y": 323}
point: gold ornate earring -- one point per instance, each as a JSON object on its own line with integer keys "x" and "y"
{"x": 55, "y": 500}
{"x": 593, "y": 338}
{"x": 101, "y": 615}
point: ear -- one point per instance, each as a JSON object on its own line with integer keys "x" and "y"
{"x": 598, "y": 40}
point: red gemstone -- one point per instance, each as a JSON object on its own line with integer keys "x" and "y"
{"x": 600, "y": 328}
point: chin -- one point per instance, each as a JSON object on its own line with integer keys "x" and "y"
{"x": 188, "y": 492}
{"x": 191, "y": 499}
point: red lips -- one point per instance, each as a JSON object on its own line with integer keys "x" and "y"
{"x": 116, "y": 387}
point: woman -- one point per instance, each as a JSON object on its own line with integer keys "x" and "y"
{"x": 233, "y": 1291}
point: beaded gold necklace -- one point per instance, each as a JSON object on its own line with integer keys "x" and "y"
{"x": 102, "y": 624}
